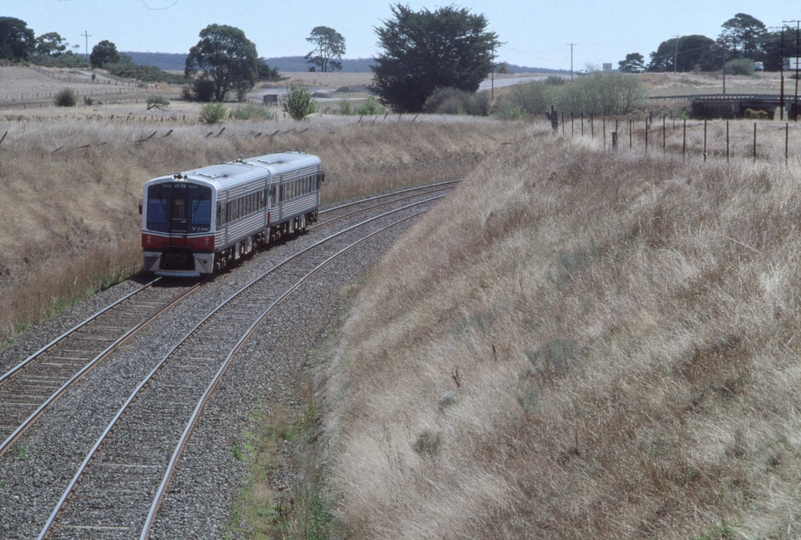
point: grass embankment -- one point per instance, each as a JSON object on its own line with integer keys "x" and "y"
{"x": 578, "y": 344}
{"x": 69, "y": 188}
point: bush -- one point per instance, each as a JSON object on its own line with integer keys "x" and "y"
{"x": 740, "y": 66}
{"x": 603, "y": 94}
{"x": 455, "y": 101}
{"x": 371, "y": 107}
{"x": 66, "y": 98}
{"x": 346, "y": 107}
{"x": 751, "y": 114}
{"x": 213, "y": 113}
{"x": 532, "y": 98}
{"x": 555, "y": 80}
{"x": 298, "y": 103}
{"x": 203, "y": 90}
{"x": 252, "y": 112}
{"x": 157, "y": 102}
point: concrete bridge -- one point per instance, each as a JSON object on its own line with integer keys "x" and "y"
{"x": 735, "y": 105}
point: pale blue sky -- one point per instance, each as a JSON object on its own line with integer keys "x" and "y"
{"x": 536, "y": 34}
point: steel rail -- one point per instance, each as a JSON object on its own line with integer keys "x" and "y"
{"x": 373, "y": 207}
{"x": 376, "y": 197}
{"x": 149, "y": 376}
{"x": 73, "y": 330}
{"x": 213, "y": 384}
{"x": 22, "y": 428}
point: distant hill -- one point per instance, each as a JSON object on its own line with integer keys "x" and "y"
{"x": 165, "y": 61}
{"x": 177, "y": 62}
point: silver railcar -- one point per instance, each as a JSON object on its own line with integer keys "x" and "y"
{"x": 200, "y": 221}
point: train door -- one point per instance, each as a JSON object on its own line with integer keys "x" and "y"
{"x": 179, "y": 213}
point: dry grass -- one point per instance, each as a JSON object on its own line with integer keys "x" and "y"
{"x": 69, "y": 187}
{"x": 578, "y": 344}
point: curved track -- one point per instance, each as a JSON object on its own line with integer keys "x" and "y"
{"x": 116, "y": 490}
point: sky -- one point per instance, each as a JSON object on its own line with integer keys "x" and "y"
{"x": 535, "y": 34}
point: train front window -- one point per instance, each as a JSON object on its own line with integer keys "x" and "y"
{"x": 179, "y": 207}
{"x": 201, "y": 214}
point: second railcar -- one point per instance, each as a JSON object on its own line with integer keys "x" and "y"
{"x": 200, "y": 221}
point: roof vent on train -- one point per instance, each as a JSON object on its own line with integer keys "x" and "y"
{"x": 180, "y": 177}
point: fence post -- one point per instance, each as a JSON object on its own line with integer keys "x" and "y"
{"x": 704, "y": 140}
{"x": 727, "y": 141}
{"x": 664, "y": 134}
{"x": 755, "y": 143}
{"x": 614, "y": 141}
{"x": 684, "y": 142}
{"x": 646, "y": 135}
{"x": 571, "y": 124}
{"x": 582, "y": 124}
{"x": 592, "y": 127}
{"x": 604, "y": 129}
{"x": 786, "y": 144}
{"x": 631, "y": 139}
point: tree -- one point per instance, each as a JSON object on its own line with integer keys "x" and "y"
{"x": 742, "y": 36}
{"x": 328, "y": 46}
{"x": 631, "y": 59}
{"x": 267, "y": 73}
{"x": 227, "y": 58}
{"x": 688, "y": 51}
{"x": 16, "y": 39}
{"x": 423, "y": 51}
{"x": 51, "y": 44}
{"x": 104, "y": 53}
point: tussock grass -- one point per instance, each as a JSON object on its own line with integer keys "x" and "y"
{"x": 69, "y": 187}
{"x": 604, "y": 344}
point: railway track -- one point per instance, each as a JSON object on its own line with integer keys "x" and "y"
{"x": 343, "y": 211}
{"x": 117, "y": 489}
{"x": 37, "y": 382}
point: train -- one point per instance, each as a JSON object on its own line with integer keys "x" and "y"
{"x": 200, "y": 221}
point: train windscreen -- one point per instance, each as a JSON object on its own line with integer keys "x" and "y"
{"x": 179, "y": 207}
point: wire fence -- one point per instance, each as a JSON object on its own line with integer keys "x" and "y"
{"x": 84, "y": 79}
{"x": 764, "y": 140}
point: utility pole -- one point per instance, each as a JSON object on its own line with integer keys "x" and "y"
{"x": 571, "y": 61}
{"x": 781, "y": 59}
{"x": 797, "y": 55}
{"x": 87, "y": 36}
{"x": 676, "y": 56}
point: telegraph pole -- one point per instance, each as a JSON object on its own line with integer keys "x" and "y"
{"x": 676, "y": 56}
{"x": 87, "y": 36}
{"x": 571, "y": 61}
{"x": 797, "y": 55}
{"x": 781, "y": 59}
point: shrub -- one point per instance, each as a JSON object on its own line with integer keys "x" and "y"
{"x": 752, "y": 114}
{"x": 203, "y": 90}
{"x": 298, "y": 103}
{"x": 555, "y": 80}
{"x": 455, "y": 101}
{"x": 157, "y": 102}
{"x": 371, "y": 107}
{"x": 346, "y": 107}
{"x": 530, "y": 98}
{"x": 740, "y": 66}
{"x": 213, "y": 113}
{"x": 66, "y": 98}
{"x": 447, "y": 101}
{"x": 252, "y": 112}
{"x": 603, "y": 94}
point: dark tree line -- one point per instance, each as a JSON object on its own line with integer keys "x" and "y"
{"x": 741, "y": 37}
